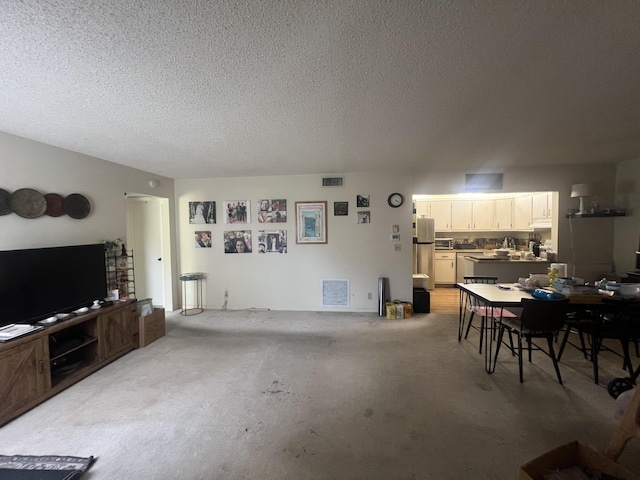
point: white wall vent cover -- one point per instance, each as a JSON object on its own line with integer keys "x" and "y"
{"x": 333, "y": 181}
{"x": 335, "y": 293}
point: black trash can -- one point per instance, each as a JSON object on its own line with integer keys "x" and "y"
{"x": 421, "y": 301}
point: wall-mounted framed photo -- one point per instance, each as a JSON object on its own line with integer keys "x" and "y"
{"x": 272, "y": 241}
{"x": 237, "y": 211}
{"x": 202, "y": 212}
{"x": 340, "y": 208}
{"x": 311, "y": 222}
{"x": 203, "y": 239}
{"x": 362, "y": 200}
{"x": 237, "y": 241}
{"x": 364, "y": 216}
{"x": 272, "y": 211}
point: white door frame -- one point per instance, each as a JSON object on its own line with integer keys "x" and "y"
{"x": 165, "y": 240}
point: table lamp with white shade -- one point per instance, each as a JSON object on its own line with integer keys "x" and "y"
{"x": 581, "y": 190}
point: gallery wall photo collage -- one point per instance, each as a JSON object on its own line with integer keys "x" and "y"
{"x": 311, "y": 223}
{"x": 237, "y": 237}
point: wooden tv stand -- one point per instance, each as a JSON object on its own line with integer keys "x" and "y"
{"x": 36, "y": 367}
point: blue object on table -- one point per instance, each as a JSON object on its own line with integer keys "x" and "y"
{"x": 541, "y": 294}
{"x": 190, "y": 276}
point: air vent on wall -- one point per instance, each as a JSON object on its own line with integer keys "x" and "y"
{"x": 477, "y": 182}
{"x": 333, "y": 181}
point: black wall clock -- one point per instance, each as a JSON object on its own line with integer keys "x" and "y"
{"x": 395, "y": 200}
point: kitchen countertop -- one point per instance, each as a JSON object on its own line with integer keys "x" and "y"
{"x": 480, "y": 259}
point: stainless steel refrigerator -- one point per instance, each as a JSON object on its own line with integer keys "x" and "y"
{"x": 424, "y": 249}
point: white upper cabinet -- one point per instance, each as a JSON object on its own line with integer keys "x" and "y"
{"x": 522, "y": 213}
{"x": 483, "y": 215}
{"x": 441, "y": 211}
{"x": 461, "y": 215}
{"x": 515, "y": 212}
{"x": 542, "y": 206}
{"x": 423, "y": 208}
{"x": 504, "y": 214}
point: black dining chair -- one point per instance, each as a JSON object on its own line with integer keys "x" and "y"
{"x": 612, "y": 320}
{"x": 472, "y": 308}
{"x": 538, "y": 319}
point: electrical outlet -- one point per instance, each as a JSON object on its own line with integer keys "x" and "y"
{"x": 397, "y": 247}
{"x": 370, "y": 296}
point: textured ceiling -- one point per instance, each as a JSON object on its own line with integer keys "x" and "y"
{"x": 204, "y": 88}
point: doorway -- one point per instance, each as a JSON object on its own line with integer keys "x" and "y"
{"x": 148, "y": 235}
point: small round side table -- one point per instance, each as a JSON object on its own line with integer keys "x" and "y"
{"x": 197, "y": 293}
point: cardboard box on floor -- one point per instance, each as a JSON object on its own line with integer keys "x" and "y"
{"x": 576, "y": 454}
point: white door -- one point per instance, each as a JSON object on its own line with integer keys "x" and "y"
{"x": 144, "y": 233}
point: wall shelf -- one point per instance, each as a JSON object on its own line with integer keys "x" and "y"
{"x": 594, "y": 215}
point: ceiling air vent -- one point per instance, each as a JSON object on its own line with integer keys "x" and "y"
{"x": 478, "y": 182}
{"x": 333, "y": 181}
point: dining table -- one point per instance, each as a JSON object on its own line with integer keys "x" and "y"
{"x": 499, "y": 296}
{"x": 494, "y": 297}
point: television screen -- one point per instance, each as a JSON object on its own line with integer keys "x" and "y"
{"x": 38, "y": 283}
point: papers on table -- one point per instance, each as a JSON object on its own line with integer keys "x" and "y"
{"x": 15, "y": 330}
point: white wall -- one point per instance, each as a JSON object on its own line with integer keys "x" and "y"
{"x": 627, "y": 229}
{"x": 47, "y": 169}
{"x": 360, "y": 253}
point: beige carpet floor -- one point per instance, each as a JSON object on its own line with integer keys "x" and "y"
{"x": 297, "y": 395}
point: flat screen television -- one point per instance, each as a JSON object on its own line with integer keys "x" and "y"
{"x": 40, "y": 282}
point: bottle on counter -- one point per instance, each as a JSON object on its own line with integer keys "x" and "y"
{"x": 536, "y": 249}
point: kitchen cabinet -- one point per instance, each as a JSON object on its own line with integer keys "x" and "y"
{"x": 472, "y": 215}
{"x": 483, "y": 215}
{"x": 441, "y": 211}
{"x": 541, "y": 206}
{"x": 423, "y": 208}
{"x": 461, "y": 215}
{"x": 445, "y": 271}
{"x": 518, "y": 212}
{"x": 522, "y": 213}
{"x": 504, "y": 214}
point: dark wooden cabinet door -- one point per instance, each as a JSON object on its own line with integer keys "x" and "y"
{"x": 23, "y": 377}
{"x": 116, "y": 333}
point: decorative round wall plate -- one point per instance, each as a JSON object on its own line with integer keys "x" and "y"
{"x": 54, "y": 205}
{"x": 5, "y": 202}
{"x": 28, "y": 203}
{"x": 76, "y": 206}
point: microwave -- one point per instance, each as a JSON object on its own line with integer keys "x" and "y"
{"x": 444, "y": 243}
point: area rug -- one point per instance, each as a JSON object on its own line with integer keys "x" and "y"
{"x": 50, "y": 467}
